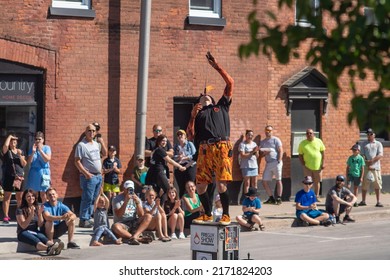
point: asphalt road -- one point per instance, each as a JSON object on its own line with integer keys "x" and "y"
{"x": 358, "y": 241}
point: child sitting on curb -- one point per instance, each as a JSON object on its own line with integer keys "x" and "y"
{"x": 251, "y": 207}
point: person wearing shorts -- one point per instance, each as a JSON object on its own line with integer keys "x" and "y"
{"x": 306, "y": 206}
{"x": 59, "y": 219}
{"x": 210, "y": 125}
{"x": 272, "y": 150}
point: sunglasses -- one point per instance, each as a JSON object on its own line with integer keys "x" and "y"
{"x": 309, "y": 133}
{"x": 158, "y": 130}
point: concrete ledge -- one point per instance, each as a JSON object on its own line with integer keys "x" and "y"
{"x": 25, "y": 248}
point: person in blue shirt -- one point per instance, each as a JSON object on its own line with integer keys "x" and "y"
{"x": 59, "y": 219}
{"x": 251, "y": 207}
{"x": 306, "y": 206}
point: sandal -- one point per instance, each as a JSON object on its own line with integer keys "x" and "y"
{"x": 262, "y": 227}
{"x": 145, "y": 239}
{"x": 164, "y": 239}
{"x": 133, "y": 241}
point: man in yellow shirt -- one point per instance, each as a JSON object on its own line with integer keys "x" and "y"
{"x": 311, "y": 155}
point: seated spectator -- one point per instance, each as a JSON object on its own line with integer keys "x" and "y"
{"x": 306, "y": 206}
{"x": 29, "y": 218}
{"x": 174, "y": 213}
{"x": 130, "y": 221}
{"x": 158, "y": 223}
{"x": 58, "y": 219}
{"x": 251, "y": 207}
{"x": 339, "y": 200}
{"x": 101, "y": 224}
{"x": 192, "y": 206}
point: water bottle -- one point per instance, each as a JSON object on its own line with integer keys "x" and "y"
{"x": 332, "y": 218}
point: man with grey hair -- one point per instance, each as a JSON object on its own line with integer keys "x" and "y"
{"x": 88, "y": 162}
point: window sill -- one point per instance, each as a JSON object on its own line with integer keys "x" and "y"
{"x": 206, "y": 21}
{"x": 85, "y": 13}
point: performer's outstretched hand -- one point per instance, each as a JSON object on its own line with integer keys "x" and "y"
{"x": 211, "y": 59}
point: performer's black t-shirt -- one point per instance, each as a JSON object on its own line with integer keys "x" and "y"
{"x": 213, "y": 121}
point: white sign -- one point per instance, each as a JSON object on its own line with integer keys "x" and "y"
{"x": 204, "y": 238}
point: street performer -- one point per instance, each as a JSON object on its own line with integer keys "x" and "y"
{"x": 209, "y": 125}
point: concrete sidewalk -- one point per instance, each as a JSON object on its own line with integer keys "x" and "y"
{"x": 275, "y": 217}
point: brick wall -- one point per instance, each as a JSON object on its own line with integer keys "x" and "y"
{"x": 91, "y": 74}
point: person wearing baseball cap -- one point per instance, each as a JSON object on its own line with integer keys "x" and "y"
{"x": 372, "y": 151}
{"x": 355, "y": 170}
{"x": 306, "y": 206}
{"x": 339, "y": 200}
{"x": 129, "y": 216}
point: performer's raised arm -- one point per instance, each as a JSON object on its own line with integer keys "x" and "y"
{"x": 228, "y": 92}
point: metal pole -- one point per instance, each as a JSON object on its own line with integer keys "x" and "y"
{"x": 143, "y": 74}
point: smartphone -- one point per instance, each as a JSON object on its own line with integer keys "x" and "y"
{"x": 131, "y": 191}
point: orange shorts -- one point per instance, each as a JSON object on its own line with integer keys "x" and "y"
{"x": 214, "y": 158}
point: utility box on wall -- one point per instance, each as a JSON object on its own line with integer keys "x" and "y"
{"x": 215, "y": 242}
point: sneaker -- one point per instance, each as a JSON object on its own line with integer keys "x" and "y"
{"x": 348, "y": 219}
{"x": 6, "y": 220}
{"x": 379, "y": 204}
{"x": 182, "y": 236}
{"x": 85, "y": 224}
{"x": 52, "y": 249}
{"x": 326, "y": 223}
{"x": 270, "y": 200}
{"x": 355, "y": 204}
{"x": 278, "y": 201}
{"x": 203, "y": 219}
{"x": 73, "y": 245}
{"x": 225, "y": 220}
{"x": 173, "y": 236}
{"x": 303, "y": 223}
{"x": 58, "y": 250}
{"x": 362, "y": 203}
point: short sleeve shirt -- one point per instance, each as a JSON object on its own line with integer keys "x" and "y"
{"x": 371, "y": 150}
{"x": 311, "y": 151}
{"x": 355, "y": 164}
{"x": 56, "y": 210}
{"x": 247, "y": 202}
{"x": 249, "y": 162}
{"x": 342, "y": 193}
{"x": 273, "y": 143}
{"x": 130, "y": 213}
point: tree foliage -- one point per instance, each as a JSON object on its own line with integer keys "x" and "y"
{"x": 356, "y": 44}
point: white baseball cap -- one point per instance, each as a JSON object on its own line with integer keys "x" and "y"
{"x": 128, "y": 185}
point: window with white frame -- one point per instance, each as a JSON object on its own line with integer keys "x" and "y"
{"x": 72, "y": 4}
{"x": 206, "y": 8}
{"x": 302, "y": 20}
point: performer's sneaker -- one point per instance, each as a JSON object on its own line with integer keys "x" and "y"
{"x": 203, "y": 219}
{"x": 225, "y": 220}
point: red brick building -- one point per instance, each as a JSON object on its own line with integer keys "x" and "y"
{"x": 65, "y": 64}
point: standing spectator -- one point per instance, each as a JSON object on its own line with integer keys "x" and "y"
{"x": 210, "y": 125}
{"x": 59, "y": 219}
{"x": 312, "y": 157}
{"x": 174, "y": 213}
{"x": 101, "y": 226}
{"x": 251, "y": 207}
{"x": 184, "y": 152}
{"x": 372, "y": 152}
{"x": 157, "y": 176}
{"x": 192, "y": 205}
{"x": 98, "y": 138}
{"x": 13, "y": 163}
{"x": 158, "y": 223}
{"x": 88, "y": 162}
{"x": 306, "y": 207}
{"x": 130, "y": 221}
{"x": 355, "y": 170}
{"x": 249, "y": 153}
{"x": 138, "y": 176}
{"x": 111, "y": 169}
{"x": 271, "y": 148}
{"x": 30, "y": 219}
{"x": 38, "y": 158}
{"x": 151, "y": 145}
{"x": 339, "y": 200}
